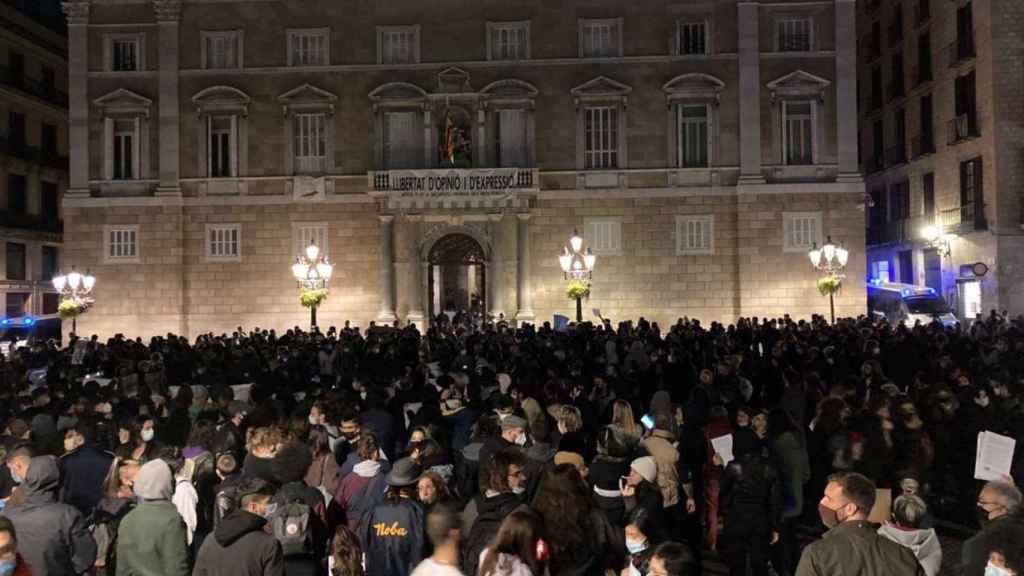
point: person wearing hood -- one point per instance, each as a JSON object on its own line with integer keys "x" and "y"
{"x": 152, "y": 538}
{"x": 240, "y": 546}
{"x": 53, "y": 537}
{"x": 364, "y": 488}
{"x": 908, "y": 512}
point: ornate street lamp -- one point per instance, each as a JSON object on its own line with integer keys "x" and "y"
{"x": 831, "y": 260}
{"x": 313, "y": 272}
{"x": 75, "y": 290}
{"x": 577, "y": 267}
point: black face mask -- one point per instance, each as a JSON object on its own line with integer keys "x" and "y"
{"x": 983, "y": 519}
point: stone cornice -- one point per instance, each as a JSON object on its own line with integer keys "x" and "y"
{"x": 77, "y": 12}
{"x": 167, "y": 10}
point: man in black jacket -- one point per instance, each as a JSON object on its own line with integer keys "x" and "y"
{"x": 84, "y": 468}
{"x": 506, "y": 481}
{"x": 752, "y": 499}
{"x": 239, "y": 546}
{"x": 53, "y": 537}
{"x": 289, "y": 467}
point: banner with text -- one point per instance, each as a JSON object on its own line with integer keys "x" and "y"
{"x": 447, "y": 183}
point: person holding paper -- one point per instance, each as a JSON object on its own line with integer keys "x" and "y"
{"x": 998, "y": 503}
{"x": 752, "y": 498}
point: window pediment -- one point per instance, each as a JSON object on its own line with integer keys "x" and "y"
{"x": 694, "y": 86}
{"x": 510, "y": 88}
{"x": 307, "y": 97}
{"x": 453, "y": 80}
{"x": 398, "y": 94}
{"x": 601, "y": 88}
{"x": 221, "y": 99}
{"x": 123, "y": 101}
{"x": 798, "y": 84}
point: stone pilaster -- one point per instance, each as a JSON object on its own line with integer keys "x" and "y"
{"x": 77, "y": 14}
{"x": 750, "y": 88}
{"x": 415, "y": 267}
{"x": 168, "y": 17}
{"x": 496, "y": 267}
{"x": 524, "y": 294}
{"x": 846, "y": 90}
{"x": 386, "y": 315}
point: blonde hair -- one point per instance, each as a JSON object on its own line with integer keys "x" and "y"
{"x": 265, "y": 439}
{"x": 622, "y": 416}
{"x": 570, "y": 417}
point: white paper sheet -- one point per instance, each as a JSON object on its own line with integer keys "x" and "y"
{"x": 995, "y": 456}
{"x": 723, "y": 447}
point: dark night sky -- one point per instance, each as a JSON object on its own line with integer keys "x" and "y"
{"x": 46, "y": 11}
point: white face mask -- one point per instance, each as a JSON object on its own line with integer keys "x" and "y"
{"x": 521, "y": 439}
{"x": 993, "y": 570}
{"x": 147, "y": 435}
{"x": 313, "y": 420}
{"x": 518, "y": 490}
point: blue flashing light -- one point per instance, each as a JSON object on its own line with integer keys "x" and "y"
{"x": 5, "y": 321}
{"x": 906, "y": 292}
{"x": 29, "y": 320}
{"x": 875, "y": 281}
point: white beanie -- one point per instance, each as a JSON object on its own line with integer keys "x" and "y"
{"x": 646, "y": 467}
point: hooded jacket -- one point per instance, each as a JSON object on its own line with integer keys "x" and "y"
{"x": 240, "y": 547}
{"x": 855, "y": 547}
{"x": 490, "y": 514}
{"x": 362, "y": 490}
{"x": 152, "y": 537}
{"x": 52, "y": 537}
{"x": 924, "y": 544}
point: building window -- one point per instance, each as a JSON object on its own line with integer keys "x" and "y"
{"x": 16, "y": 129}
{"x": 604, "y": 236}
{"x": 692, "y": 38}
{"x": 801, "y": 231}
{"x": 600, "y": 38}
{"x": 16, "y": 261}
{"x": 400, "y": 149}
{"x": 508, "y": 40}
{"x": 16, "y": 302}
{"x": 308, "y": 47}
{"x": 51, "y": 201}
{"x": 305, "y": 233}
{"x": 49, "y": 262}
{"x": 601, "y": 137}
{"x": 928, "y": 196}
{"x": 695, "y": 235}
{"x": 899, "y": 202}
{"x": 125, "y": 52}
{"x": 398, "y": 45}
{"x": 512, "y": 150}
{"x": 798, "y": 134}
{"x": 125, "y": 150}
{"x": 17, "y": 194}
{"x": 122, "y": 243}
{"x": 49, "y": 139}
{"x": 880, "y": 270}
{"x": 795, "y": 35}
{"x": 693, "y": 135}
{"x": 222, "y": 50}
{"x": 222, "y": 146}
{"x": 224, "y": 242}
{"x": 310, "y": 143}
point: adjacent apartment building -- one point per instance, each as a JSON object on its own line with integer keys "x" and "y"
{"x": 942, "y": 144}
{"x": 442, "y": 154}
{"x": 33, "y": 155}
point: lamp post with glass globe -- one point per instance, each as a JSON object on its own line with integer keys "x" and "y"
{"x": 313, "y": 272}
{"x": 831, "y": 260}
{"x": 577, "y": 264}
{"x": 76, "y": 288}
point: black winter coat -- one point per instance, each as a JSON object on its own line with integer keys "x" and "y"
{"x": 751, "y": 496}
{"x": 490, "y": 514}
{"x": 83, "y": 471}
{"x": 240, "y": 547}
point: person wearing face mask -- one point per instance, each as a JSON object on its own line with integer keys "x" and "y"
{"x": 642, "y": 536}
{"x": 11, "y": 563}
{"x": 84, "y": 467}
{"x": 852, "y": 545}
{"x": 54, "y": 538}
{"x": 17, "y": 466}
{"x": 1006, "y": 555}
{"x": 240, "y": 546}
{"x": 999, "y": 503}
{"x": 504, "y": 486}
{"x": 152, "y": 538}
{"x": 513, "y": 435}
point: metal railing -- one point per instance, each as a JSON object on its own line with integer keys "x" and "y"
{"x": 922, "y": 144}
{"x": 966, "y": 218}
{"x": 897, "y": 231}
{"x": 960, "y": 50}
{"x": 34, "y": 87}
{"x": 962, "y": 127}
{"x": 37, "y": 222}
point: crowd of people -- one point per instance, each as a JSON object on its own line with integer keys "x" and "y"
{"x": 492, "y": 450}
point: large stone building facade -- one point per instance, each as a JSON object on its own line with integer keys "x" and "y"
{"x": 700, "y": 148}
{"x": 33, "y": 155}
{"x": 942, "y": 134}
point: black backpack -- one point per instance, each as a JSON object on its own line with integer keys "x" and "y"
{"x": 291, "y": 525}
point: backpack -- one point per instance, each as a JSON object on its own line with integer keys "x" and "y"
{"x": 290, "y": 524}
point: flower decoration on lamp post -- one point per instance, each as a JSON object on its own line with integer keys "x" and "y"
{"x": 313, "y": 272}
{"x": 577, "y": 267}
{"x": 831, "y": 260}
{"x": 75, "y": 290}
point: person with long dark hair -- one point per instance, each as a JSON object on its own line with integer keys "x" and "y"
{"x": 581, "y": 539}
{"x": 515, "y": 547}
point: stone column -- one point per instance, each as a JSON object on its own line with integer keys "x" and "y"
{"x": 168, "y": 16}
{"x": 750, "y": 88}
{"x": 415, "y": 267}
{"x": 524, "y": 294}
{"x": 846, "y": 90}
{"x": 78, "y": 92}
{"x": 387, "y": 271}
{"x": 496, "y": 268}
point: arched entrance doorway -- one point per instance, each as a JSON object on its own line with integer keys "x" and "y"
{"x": 456, "y": 275}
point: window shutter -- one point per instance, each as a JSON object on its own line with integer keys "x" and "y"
{"x": 108, "y": 137}
{"x": 136, "y": 147}
{"x": 234, "y": 145}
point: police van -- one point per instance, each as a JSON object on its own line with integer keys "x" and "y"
{"x": 18, "y": 331}
{"x": 908, "y": 303}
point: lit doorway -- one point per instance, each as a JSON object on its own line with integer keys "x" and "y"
{"x": 970, "y": 300}
{"x": 456, "y": 278}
